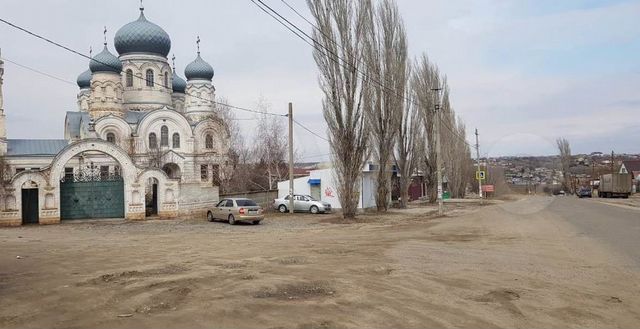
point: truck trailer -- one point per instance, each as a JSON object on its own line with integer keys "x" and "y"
{"x": 615, "y": 185}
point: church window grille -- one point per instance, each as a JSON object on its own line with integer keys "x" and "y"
{"x": 208, "y": 142}
{"x": 176, "y": 140}
{"x": 129, "y": 78}
{"x": 111, "y": 137}
{"x": 149, "y": 78}
{"x": 166, "y": 80}
{"x": 164, "y": 136}
{"x": 153, "y": 143}
{"x": 204, "y": 172}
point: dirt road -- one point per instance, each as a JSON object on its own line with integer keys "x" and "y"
{"x": 511, "y": 265}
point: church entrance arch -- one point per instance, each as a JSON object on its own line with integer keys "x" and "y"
{"x": 92, "y": 176}
{"x": 92, "y": 191}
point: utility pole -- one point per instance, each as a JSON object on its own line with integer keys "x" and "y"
{"x": 438, "y": 152}
{"x": 290, "y": 115}
{"x": 478, "y": 162}
{"x": 612, "y": 160}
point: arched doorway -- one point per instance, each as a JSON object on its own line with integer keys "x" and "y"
{"x": 30, "y": 203}
{"x": 151, "y": 197}
{"x": 122, "y": 173}
{"x": 92, "y": 187}
{"x": 172, "y": 170}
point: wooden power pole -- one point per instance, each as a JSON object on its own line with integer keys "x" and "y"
{"x": 478, "y": 162}
{"x": 290, "y": 115}
{"x": 438, "y": 151}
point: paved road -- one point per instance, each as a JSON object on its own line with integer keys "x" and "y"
{"x": 616, "y": 226}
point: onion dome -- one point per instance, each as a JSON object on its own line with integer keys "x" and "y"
{"x": 84, "y": 79}
{"x": 105, "y": 61}
{"x": 178, "y": 84}
{"x": 142, "y": 36}
{"x": 198, "y": 70}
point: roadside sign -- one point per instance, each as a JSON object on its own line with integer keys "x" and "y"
{"x": 488, "y": 188}
{"x": 480, "y": 175}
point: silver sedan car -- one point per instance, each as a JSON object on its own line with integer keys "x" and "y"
{"x": 302, "y": 203}
{"x": 236, "y": 209}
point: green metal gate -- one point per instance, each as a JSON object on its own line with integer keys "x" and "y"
{"x": 97, "y": 197}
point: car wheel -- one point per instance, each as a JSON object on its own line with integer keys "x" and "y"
{"x": 209, "y": 216}
{"x": 282, "y": 208}
{"x": 232, "y": 220}
{"x": 256, "y": 222}
{"x": 314, "y": 209}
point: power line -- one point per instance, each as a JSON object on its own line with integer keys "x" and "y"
{"x": 327, "y": 51}
{"x": 109, "y": 65}
{"x": 139, "y": 77}
{"x": 39, "y": 72}
{"x": 310, "y": 131}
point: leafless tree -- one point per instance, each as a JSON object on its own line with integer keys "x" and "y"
{"x": 410, "y": 144}
{"x": 228, "y": 170}
{"x": 270, "y": 146}
{"x": 386, "y": 59}
{"x": 564, "y": 150}
{"x": 425, "y": 78}
{"x": 458, "y": 165}
{"x": 339, "y": 55}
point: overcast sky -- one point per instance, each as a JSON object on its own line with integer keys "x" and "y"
{"x": 522, "y": 72}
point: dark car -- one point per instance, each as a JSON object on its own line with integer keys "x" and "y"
{"x": 584, "y": 192}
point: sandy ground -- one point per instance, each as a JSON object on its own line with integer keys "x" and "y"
{"x": 507, "y": 265}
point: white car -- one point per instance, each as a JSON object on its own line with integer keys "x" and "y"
{"x": 302, "y": 203}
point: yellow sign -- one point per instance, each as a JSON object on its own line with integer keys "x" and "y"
{"x": 480, "y": 175}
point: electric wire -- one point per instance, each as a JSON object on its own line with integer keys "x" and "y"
{"x": 39, "y": 72}
{"x": 364, "y": 75}
{"x": 48, "y": 40}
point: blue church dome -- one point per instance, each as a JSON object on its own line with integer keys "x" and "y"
{"x": 178, "y": 84}
{"x": 198, "y": 69}
{"x": 84, "y": 79}
{"x": 105, "y": 61}
{"x": 142, "y": 36}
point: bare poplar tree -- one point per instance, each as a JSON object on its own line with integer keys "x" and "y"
{"x": 410, "y": 143}
{"x": 564, "y": 150}
{"x": 386, "y": 59}
{"x": 339, "y": 55}
{"x": 425, "y": 78}
{"x": 455, "y": 150}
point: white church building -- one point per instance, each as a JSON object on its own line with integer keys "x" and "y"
{"x": 143, "y": 142}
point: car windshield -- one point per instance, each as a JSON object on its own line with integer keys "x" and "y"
{"x": 311, "y": 198}
{"x": 246, "y": 203}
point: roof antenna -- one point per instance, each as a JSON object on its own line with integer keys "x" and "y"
{"x": 173, "y": 59}
{"x": 141, "y": 6}
{"x": 105, "y": 36}
{"x": 198, "y": 44}
{"x": 90, "y": 51}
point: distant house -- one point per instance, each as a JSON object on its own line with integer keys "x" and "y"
{"x": 632, "y": 167}
{"x": 320, "y": 184}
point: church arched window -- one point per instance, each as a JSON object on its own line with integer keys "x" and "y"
{"x": 153, "y": 142}
{"x": 164, "y": 136}
{"x": 111, "y": 137}
{"x": 149, "y": 78}
{"x": 129, "y": 78}
{"x": 166, "y": 80}
{"x": 176, "y": 140}
{"x": 208, "y": 142}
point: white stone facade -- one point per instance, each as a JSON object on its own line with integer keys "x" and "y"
{"x": 132, "y": 122}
